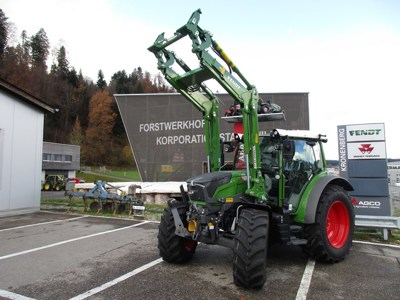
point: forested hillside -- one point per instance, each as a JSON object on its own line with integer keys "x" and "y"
{"x": 87, "y": 113}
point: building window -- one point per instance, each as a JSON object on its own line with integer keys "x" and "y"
{"x": 57, "y": 157}
{"x": 68, "y": 158}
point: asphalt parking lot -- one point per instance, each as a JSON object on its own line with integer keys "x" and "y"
{"x": 64, "y": 256}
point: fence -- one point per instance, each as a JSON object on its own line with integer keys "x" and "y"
{"x": 379, "y": 222}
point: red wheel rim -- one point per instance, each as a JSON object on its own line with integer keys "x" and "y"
{"x": 337, "y": 224}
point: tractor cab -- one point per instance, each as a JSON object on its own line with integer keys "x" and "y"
{"x": 289, "y": 159}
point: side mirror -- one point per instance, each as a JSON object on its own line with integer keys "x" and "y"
{"x": 228, "y": 147}
{"x": 288, "y": 150}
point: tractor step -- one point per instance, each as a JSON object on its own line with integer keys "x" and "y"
{"x": 296, "y": 228}
{"x": 296, "y": 241}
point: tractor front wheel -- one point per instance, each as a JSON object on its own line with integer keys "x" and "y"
{"x": 250, "y": 249}
{"x": 47, "y": 186}
{"x": 173, "y": 248}
{"x": 330, "y": 237}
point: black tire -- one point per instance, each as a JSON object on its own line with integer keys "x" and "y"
{"x": 94, "y": 206}
{"x": 122, "y": 207}
{"x": 330, "y": 237}
{"x": 108, "y": 207}
{"x": 173, "y": 248}
{"x": 250, "y": 249}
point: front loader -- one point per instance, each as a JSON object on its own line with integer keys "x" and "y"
{"x": 278, "y": 189}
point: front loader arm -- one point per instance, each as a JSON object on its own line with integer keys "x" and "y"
{"x": 191, "y": 85}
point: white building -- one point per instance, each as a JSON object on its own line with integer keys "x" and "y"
{"x": 21, "y": 144}
{"x": 61, "y": 159}
{"x": 394, "y": 173}
{"x": 394, "y": 179}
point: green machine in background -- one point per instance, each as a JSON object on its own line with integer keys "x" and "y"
{"x": 276, "y": 190}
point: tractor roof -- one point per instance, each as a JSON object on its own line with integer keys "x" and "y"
{"x": 304, "y": 134}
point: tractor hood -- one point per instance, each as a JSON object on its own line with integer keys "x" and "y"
{"x": 211, "y": 181}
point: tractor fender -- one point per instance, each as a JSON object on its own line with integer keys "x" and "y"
{"x": 315, "y": 194}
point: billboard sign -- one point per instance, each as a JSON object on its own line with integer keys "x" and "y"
{"x": 166, "y": 132}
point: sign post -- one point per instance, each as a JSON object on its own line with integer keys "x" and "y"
{"x": 363, "y": 161}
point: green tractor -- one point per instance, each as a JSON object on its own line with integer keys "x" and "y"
{"x": 53, "y": 183}
{"x": 277, "y": 190}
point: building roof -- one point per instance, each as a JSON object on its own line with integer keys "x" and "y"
{"x": 24, "y": 96}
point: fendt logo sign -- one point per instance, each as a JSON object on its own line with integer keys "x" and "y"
{"x": 365, "y": 132}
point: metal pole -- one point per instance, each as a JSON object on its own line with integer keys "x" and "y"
{"x": 248, "y": 171}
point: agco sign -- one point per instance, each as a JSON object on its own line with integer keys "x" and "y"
{"x": 366, "y": 203}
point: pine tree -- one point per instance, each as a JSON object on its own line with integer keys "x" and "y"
{"x": 25, "y": 51}
{"x": 101, "y": 83}
{"x": 40, "y": 49}
{"x": 4, "y": 33}
{"x": 62, "y": 63}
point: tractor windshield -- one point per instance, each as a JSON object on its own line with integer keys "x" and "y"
{"x": 309, "y": 154}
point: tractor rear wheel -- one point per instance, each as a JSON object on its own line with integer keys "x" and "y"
{"x": 250, "y": 249}
{"x": 173, "y": 248}
{"x": 330, "y": 237}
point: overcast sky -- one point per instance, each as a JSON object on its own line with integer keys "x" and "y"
{"x": 345, "y": 54}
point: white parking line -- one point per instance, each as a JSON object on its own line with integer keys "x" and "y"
{"x": 69, "y": 241}
{"x": 301, "y": 293}
{"x": 305, "y": 280}
{"x": 44, "y": 223}
{"x": 308, "y": 271}
{"x": 117, "y": 280}
{"x": 13, "y": 296}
